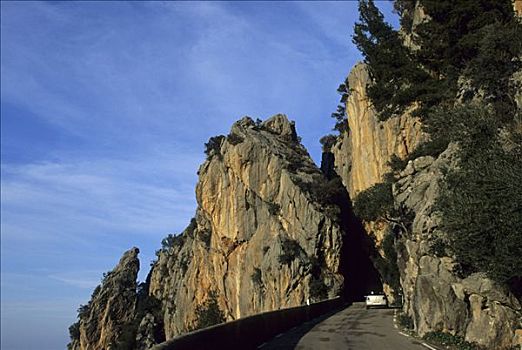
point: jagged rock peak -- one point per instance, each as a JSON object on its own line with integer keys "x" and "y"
{"x": 279, "y": 124}
{"x": 103, "y": 321}
{"x": 129, "y": 260}
{"x": 264, "y": 235}
{"x": 245, "y": 122}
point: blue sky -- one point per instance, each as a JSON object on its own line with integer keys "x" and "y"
{"x": 105, "y": 107}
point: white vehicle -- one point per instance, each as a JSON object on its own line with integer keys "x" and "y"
{"x": 376, "y": 300}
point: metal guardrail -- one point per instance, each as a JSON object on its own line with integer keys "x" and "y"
{"x": 251, "y": 331}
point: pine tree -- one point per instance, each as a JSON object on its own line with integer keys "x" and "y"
{"x": 395, "y": 77}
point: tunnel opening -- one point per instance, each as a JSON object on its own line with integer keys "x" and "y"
{"x": 360, "y": 275}
{"x": 356, "y": 266}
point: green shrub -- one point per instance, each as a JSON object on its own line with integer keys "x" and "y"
{"x": 184, "y": 264}
{"x": 205, "y": 237}
{"x": 209, "y": 313}
{"x": 397, "y": 164}
{"x": 387, "y": 265}
{"x": 83, "y": 310}
{"x": 274, "y": 208}
{"x": 171, "y": 241}
{"x": 213, "y": 146}
{"x": 437, "y": 247}
{"x": 290, "y": 250}
{"x": 295, "y": 162}
{"x": 74, "y": 331}
{"x": 327, "y": 142}
{"x": 449, "y": 340}
{"x": 234, "y": 139}
{"x": 481, "y": 211}
{"x": 339, "y": 115}
{"x": 405, "y": 321}
{"x": 374, "y": 203}
{"x": 318, "y": 289}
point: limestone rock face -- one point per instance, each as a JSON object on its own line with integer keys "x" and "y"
{"x": 262, "y": 237}
{"x": 362, "y": 154}
{"x": 112, "y": 307}
{"x": 434, "y": 295}
{"x": 437, "y": 299}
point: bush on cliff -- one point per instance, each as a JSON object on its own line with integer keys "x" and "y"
{"x": 290, "y": 249}
{"x": 374, "y": 203}
{"x": 481, "y": 204}
{"x": 209, "y": 313}
{"x": 213, "y": 146}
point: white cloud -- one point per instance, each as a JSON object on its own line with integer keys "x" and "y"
{"x": 89, "y": 197}
{"x": 81, "y": 279}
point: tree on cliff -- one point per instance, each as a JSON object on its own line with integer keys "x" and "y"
{"x": 395, "y": 76}
{"x": 476, "y": 40}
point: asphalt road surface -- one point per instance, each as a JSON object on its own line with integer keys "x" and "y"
{"x": 353, "y": 328}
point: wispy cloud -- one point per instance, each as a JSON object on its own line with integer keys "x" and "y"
{"x": 80, "y": 279}
{"x": 99, "y": 196}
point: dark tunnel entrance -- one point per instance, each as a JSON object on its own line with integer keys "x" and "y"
{"x": 360, "y": 275}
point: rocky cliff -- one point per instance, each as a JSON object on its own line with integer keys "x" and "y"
{"x": 435, "y": 297}
{"x": 264, "y": 236}
{"x": 104, "y": 321}
{"x": 362, "y": 153}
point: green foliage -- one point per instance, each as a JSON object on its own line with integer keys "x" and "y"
{"x": 498, "y": 46}
{"x": 405, "y": 8}
{"x": 83, "y": 310}
{"x": 450, "y": 341}
{"x": 481, "y": 207}
{"x": 184, "y": 264}
{"x": 395, "y": 76}
{"x": 438, "y": 247}
{"x": 295, "y": 162}
{"x": 318, "y": 289}
{"x": 274, "y": 208}
{"x": 205, "y": 237}
{"x": 478, "y": 40}
{"x": 339, "y": 115}
{"x": 374, "y": 203}
{"x": 74, "y": 331}
{"x": 177, "y": 240}
{"x": 387, "y": 265}
{"x": 290, "y": 250}
{"x": 327, "y": 142}
{"x": 327, "y": 193}
{"x": 397, "y": 164}
{"x": 171, "y": 241}
{"x": 234, "y": 139}
{"x": 209, "y": 313}
{"x": 213, "y": 146}
{"x": 449, "y": 39}
{"x": 405, "y": 321}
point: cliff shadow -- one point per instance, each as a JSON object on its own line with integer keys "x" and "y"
{"x": 360, "y": 275}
